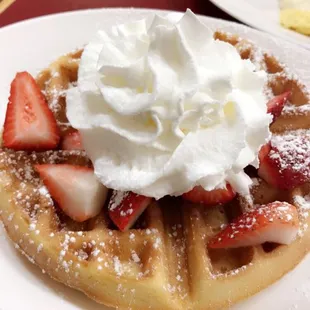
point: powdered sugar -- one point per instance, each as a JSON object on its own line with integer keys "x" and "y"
{"x": 43, "y": 191}
{"x": 116, "y": 199}
{"x": 303, "y": 202}
{"x": 135, "y": 257}
{"x": 157, "y": 243}
{"x": 95, "y": 252}
{"x": 292, "y": 151}
{"x": 303, "y": 205}
{"x": 117, "y": 266}
{"x": 252, "y": 226}
{"x": 296, "y": 110}
{"x": 32, "y": 226}
{"x": 40, "y": 248}
{"x": 54, "y": 95}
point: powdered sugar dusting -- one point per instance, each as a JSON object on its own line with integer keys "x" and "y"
{"x": 292, "y": 150}
{"x": 231, "y": 272}
{"x": 243, "y": 228}
{"x": 117, "y": 266}
{"x": 135, "y": 257}
{"x": 116, "y": 199}
{"x": 303, "y": 202}
{"x": 303, "y": 206}
{"x": 296, "y": 110}
{"x": 54, "y": 96}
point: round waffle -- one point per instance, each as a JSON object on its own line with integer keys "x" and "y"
{"x": 163, "y": 262}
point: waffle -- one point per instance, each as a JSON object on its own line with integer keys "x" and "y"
{"x": 163, "y": 261}
{"x": 4, "y": 4}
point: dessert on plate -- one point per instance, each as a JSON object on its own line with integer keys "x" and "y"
{"x": 295, "y": 15}
{"x": 163, "y": 166}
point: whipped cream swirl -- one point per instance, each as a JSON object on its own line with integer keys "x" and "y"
{"x": 163, "y": 107}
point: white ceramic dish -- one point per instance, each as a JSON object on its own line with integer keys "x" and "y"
{"x": 31, "y": 46}
{"x": 261, "y": 14}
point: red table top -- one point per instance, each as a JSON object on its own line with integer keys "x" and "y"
{"x": 24, "y": 9}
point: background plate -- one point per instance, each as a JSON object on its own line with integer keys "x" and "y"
{"x": 261, "y": 14}
{"x": 31, "y": 46}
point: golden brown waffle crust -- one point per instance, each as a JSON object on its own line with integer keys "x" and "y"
{"x": 165, "y": 263}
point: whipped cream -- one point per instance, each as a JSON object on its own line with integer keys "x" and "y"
{"x": 163, "y": 107}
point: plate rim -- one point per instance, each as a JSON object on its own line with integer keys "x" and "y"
{"x": 285, "y": 35}
{"x": 73, "y": 12}
{"x": 240, "y": 24}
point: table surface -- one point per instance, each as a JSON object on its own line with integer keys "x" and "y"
{"x": 24, "y": 9}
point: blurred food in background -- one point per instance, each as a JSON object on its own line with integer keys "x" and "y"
{"x": 295, "y": 15}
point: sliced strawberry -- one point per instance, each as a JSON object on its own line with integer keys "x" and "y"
{"x": 276, "y": 105}
{"x": 264, "y": 152}
{"x": 76, "y": 189}
{"x": 210, "y": 198}
{"x": 285, "y": 162}
{"x": 268, "y": 170}
{"x": 276, "y": 222}
{"x": 126, "y": 207}
{"x": 72, "y": 141}
{"x": 29, "y": 123}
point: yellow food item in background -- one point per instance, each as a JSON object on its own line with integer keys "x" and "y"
{"x": 296, "y": 20}
{"x": 295, "y": 15}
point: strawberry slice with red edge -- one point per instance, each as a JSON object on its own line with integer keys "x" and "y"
{"x": 268, "y": 169}
{"x": 29, "y": 123}
{"x": 72, "y": 141}
{"x": 275, "y": 222}
{"x": 285, "y": 161}
{"x": 76, "y": 189}
{"x": 210, "y": 198}
{"x": 276, "y": 104}
{"x": 126, "y": 207}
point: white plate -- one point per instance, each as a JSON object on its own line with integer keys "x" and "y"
{"x": 31, "y": 46}
{"x": 261, "y": 14}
